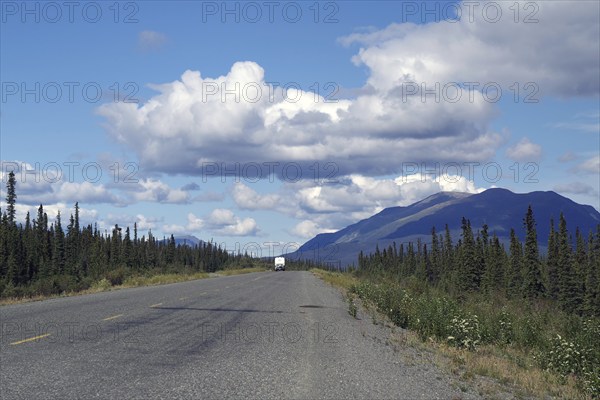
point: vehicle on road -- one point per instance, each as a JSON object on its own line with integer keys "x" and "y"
{"x": 279, "y": 263}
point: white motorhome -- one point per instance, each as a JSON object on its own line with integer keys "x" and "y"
{"x": 279, "y": 263}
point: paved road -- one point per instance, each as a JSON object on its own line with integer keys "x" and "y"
{"x": 261, "y": 335}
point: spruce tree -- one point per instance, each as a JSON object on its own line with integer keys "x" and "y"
{"x": 11, "y": 197}
{"x": 410, "y": 262}
{"x": 70, "y": 247}
{"x": 468, "y": 274}
{"x": 422, "y": 272}
{"x": 136, "y": 255}
{"x": 435, "y": 258}
{"x": 552, "y": 263}
{"x": 532, "y": 276}
{"x": 76, "y": 240}
{"x": 30, "y": 249}
{"x": 4, "y": 246}
{"x": 58, "y": 254}
{"x": 480, "y": 250}
{"x": 44, "y": 242}
{"x": 592, "y": 279}
{"x": 447, "y": 258}
{"x": 513, "y": 276}
{"x": 115, "y": 247}
{"x": 580, "y": 263}
{"x": 77, "y": 218}
{"x": 568, "y": 286}
{"x": 12, "y": 274}
{"x": 493, "y": 278}
{"x": 127, "y": 249}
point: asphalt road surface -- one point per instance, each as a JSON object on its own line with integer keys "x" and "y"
{"x": 261, "y": 335}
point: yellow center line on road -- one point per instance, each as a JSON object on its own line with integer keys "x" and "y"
{"x": 156, "y": 305}
{"x": 113, "y": 317}
{"x": 31, "y": 339}
{"x": 182, "y": 298}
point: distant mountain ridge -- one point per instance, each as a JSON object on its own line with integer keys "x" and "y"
{"x": 500, "y": 209}
{"x": 186, "y": 240}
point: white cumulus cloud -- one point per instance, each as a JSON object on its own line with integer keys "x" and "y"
{"x": 546, "y": 53}
{"x": 248, "y": 199}
{"x": 219, "y": 221}
{"x": 524, "y": 151}
{"x": 308, "y": 229}
{"x": 238, "y": 117}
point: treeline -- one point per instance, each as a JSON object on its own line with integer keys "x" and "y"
{"x": 40, "y": 257}
{"x": 478, "y": 262}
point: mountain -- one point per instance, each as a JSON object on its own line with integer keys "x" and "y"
{"x": 188, "y": 240}
{"x": 500, "y": 209}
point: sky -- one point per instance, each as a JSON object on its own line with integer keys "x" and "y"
{"x": 266, "y": 123}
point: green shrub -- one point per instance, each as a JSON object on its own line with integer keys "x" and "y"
{"x": 564, "y": 357}
{"x": 588, "y": 339}
{"x": 102, "y": 284}
{"x": 352, "y": 308}
{"x": 590, "y": 380}
{"x": 85, "y": 283}
{"x": 401, "y": 310}
{"x": 470, "y": 321}
{"x": 117, "y": 276}
{"x": 505, "y": 327}
{"x": 10, "y": 291}
{"x": 45, "y": 287}
{"x": 434, "y": 316}
{"x": 529, "y": 332}
{"x": 464, "y": 332}
{"x": 64, "y": 283}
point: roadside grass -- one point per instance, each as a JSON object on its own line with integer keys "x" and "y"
{"x": 160, "y": 279}
{"x": 339, "y": 279}
{"x": 510, "y": 369}
{"x": 494, "y": 349}
{"x": 149, "y": 279}
{"x": 239, "y": 271}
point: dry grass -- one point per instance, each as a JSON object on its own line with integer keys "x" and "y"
{"x": 229, "y": 272}
{"x": 101, "y": 286}
{"x": 339, "y": 279}
{"x": 19, "y": 300}
{"x": 160, "y": 279}
{"x": 510, "y": 371}
{"x": 135, "y": 281}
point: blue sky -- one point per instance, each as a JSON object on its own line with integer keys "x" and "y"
{"x": 369, "y": 145}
